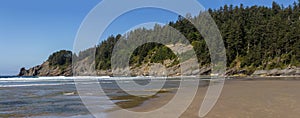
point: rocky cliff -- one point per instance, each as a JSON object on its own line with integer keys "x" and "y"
{"x": 154, "y": 69}
{"x": 46, "y": 70}
{"x": 278, "y": 72}
{"x": 160, "y": 69}
{"x": 146, "y": 69}
{"x": 60, "y": 64}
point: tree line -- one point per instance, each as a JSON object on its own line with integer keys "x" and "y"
{"x": 255, "y": 37}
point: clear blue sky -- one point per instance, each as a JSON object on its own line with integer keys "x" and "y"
{"x": 31, "y": 30}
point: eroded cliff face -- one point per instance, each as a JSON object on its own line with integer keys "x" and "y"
{"x": 46, "y": 70}
{"x": 148, "y": 69}
{"x": 159, "y": 69}
{"x": 84, "y": 68}
{"x": 294, "y": 71}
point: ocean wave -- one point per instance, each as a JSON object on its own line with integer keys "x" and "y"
{"x": 29, "y": 85}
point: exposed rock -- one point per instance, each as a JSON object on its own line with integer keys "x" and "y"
{"x": 46, "y": 70}
{"x": 187, "y": 68}
{"x": 104, "y": 72}
{"x": 196, "y": 72}
{"x": 22, "y": 72}
{"x": 297, "y": 71}
{"x": 206, "y": 70}
{"x": 287, "y": 72}
{"x": 277, "y": 72}
{"x": 260, "y": 73}
{"x": 274, "y": 72}
{"x": 84, "y": 67}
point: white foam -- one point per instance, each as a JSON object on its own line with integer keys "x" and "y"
{"x": 33, "y": 78}
{"x": 27, "y": 85}
{"x": 54, "y": 78}
{"x": 63, "y": 78}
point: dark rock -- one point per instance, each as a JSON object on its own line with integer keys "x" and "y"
{"x": 22, "y": 72}
{"x": 205, "y": 70}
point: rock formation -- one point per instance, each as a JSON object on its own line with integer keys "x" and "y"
{"x": 46, "y": 70}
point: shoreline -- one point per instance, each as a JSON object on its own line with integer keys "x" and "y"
{"x": 240, "y": 98}
{"x": 168, "y": 77}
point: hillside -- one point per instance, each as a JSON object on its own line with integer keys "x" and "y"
{"x": 58, "y": 64}
{"x": 256, "y": 38}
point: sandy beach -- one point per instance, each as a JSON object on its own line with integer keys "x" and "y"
{"x": 243, "y": 99}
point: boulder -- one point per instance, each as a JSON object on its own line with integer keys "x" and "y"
{"x": 22, "y": 72}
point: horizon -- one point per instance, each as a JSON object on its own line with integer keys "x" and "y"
{"x": 31, "y": 31}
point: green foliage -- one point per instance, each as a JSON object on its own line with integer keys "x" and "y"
{"x": 254, "y": 37}
{"x": 162, "y": 53}
{"x": 60, "y": 58}
{"x": 261, "y": 36}
{"x": 104, "y": 53}
{"x": 153, "y": 53}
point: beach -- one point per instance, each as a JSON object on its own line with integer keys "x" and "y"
{"x": 243, "y": 99}
{"x": 57, "y": 97}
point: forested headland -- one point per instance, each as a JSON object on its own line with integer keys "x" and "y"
{"x": 255, "y": 38}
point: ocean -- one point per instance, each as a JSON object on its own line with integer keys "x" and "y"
{"x": 58, "y": 96}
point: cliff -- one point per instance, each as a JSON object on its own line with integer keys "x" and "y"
{"x": 46, "y": 70}
{"x": 267, "y": 49}
{"x": 150, "y": 69}
{"x": 58, "y": 64}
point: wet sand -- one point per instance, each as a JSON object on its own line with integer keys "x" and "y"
{"x": 243, "y": 99}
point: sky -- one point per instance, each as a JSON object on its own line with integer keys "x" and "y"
{"x": 31, "y": 30}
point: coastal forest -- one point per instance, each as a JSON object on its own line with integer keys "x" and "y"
{"x": 255, "y": 37}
